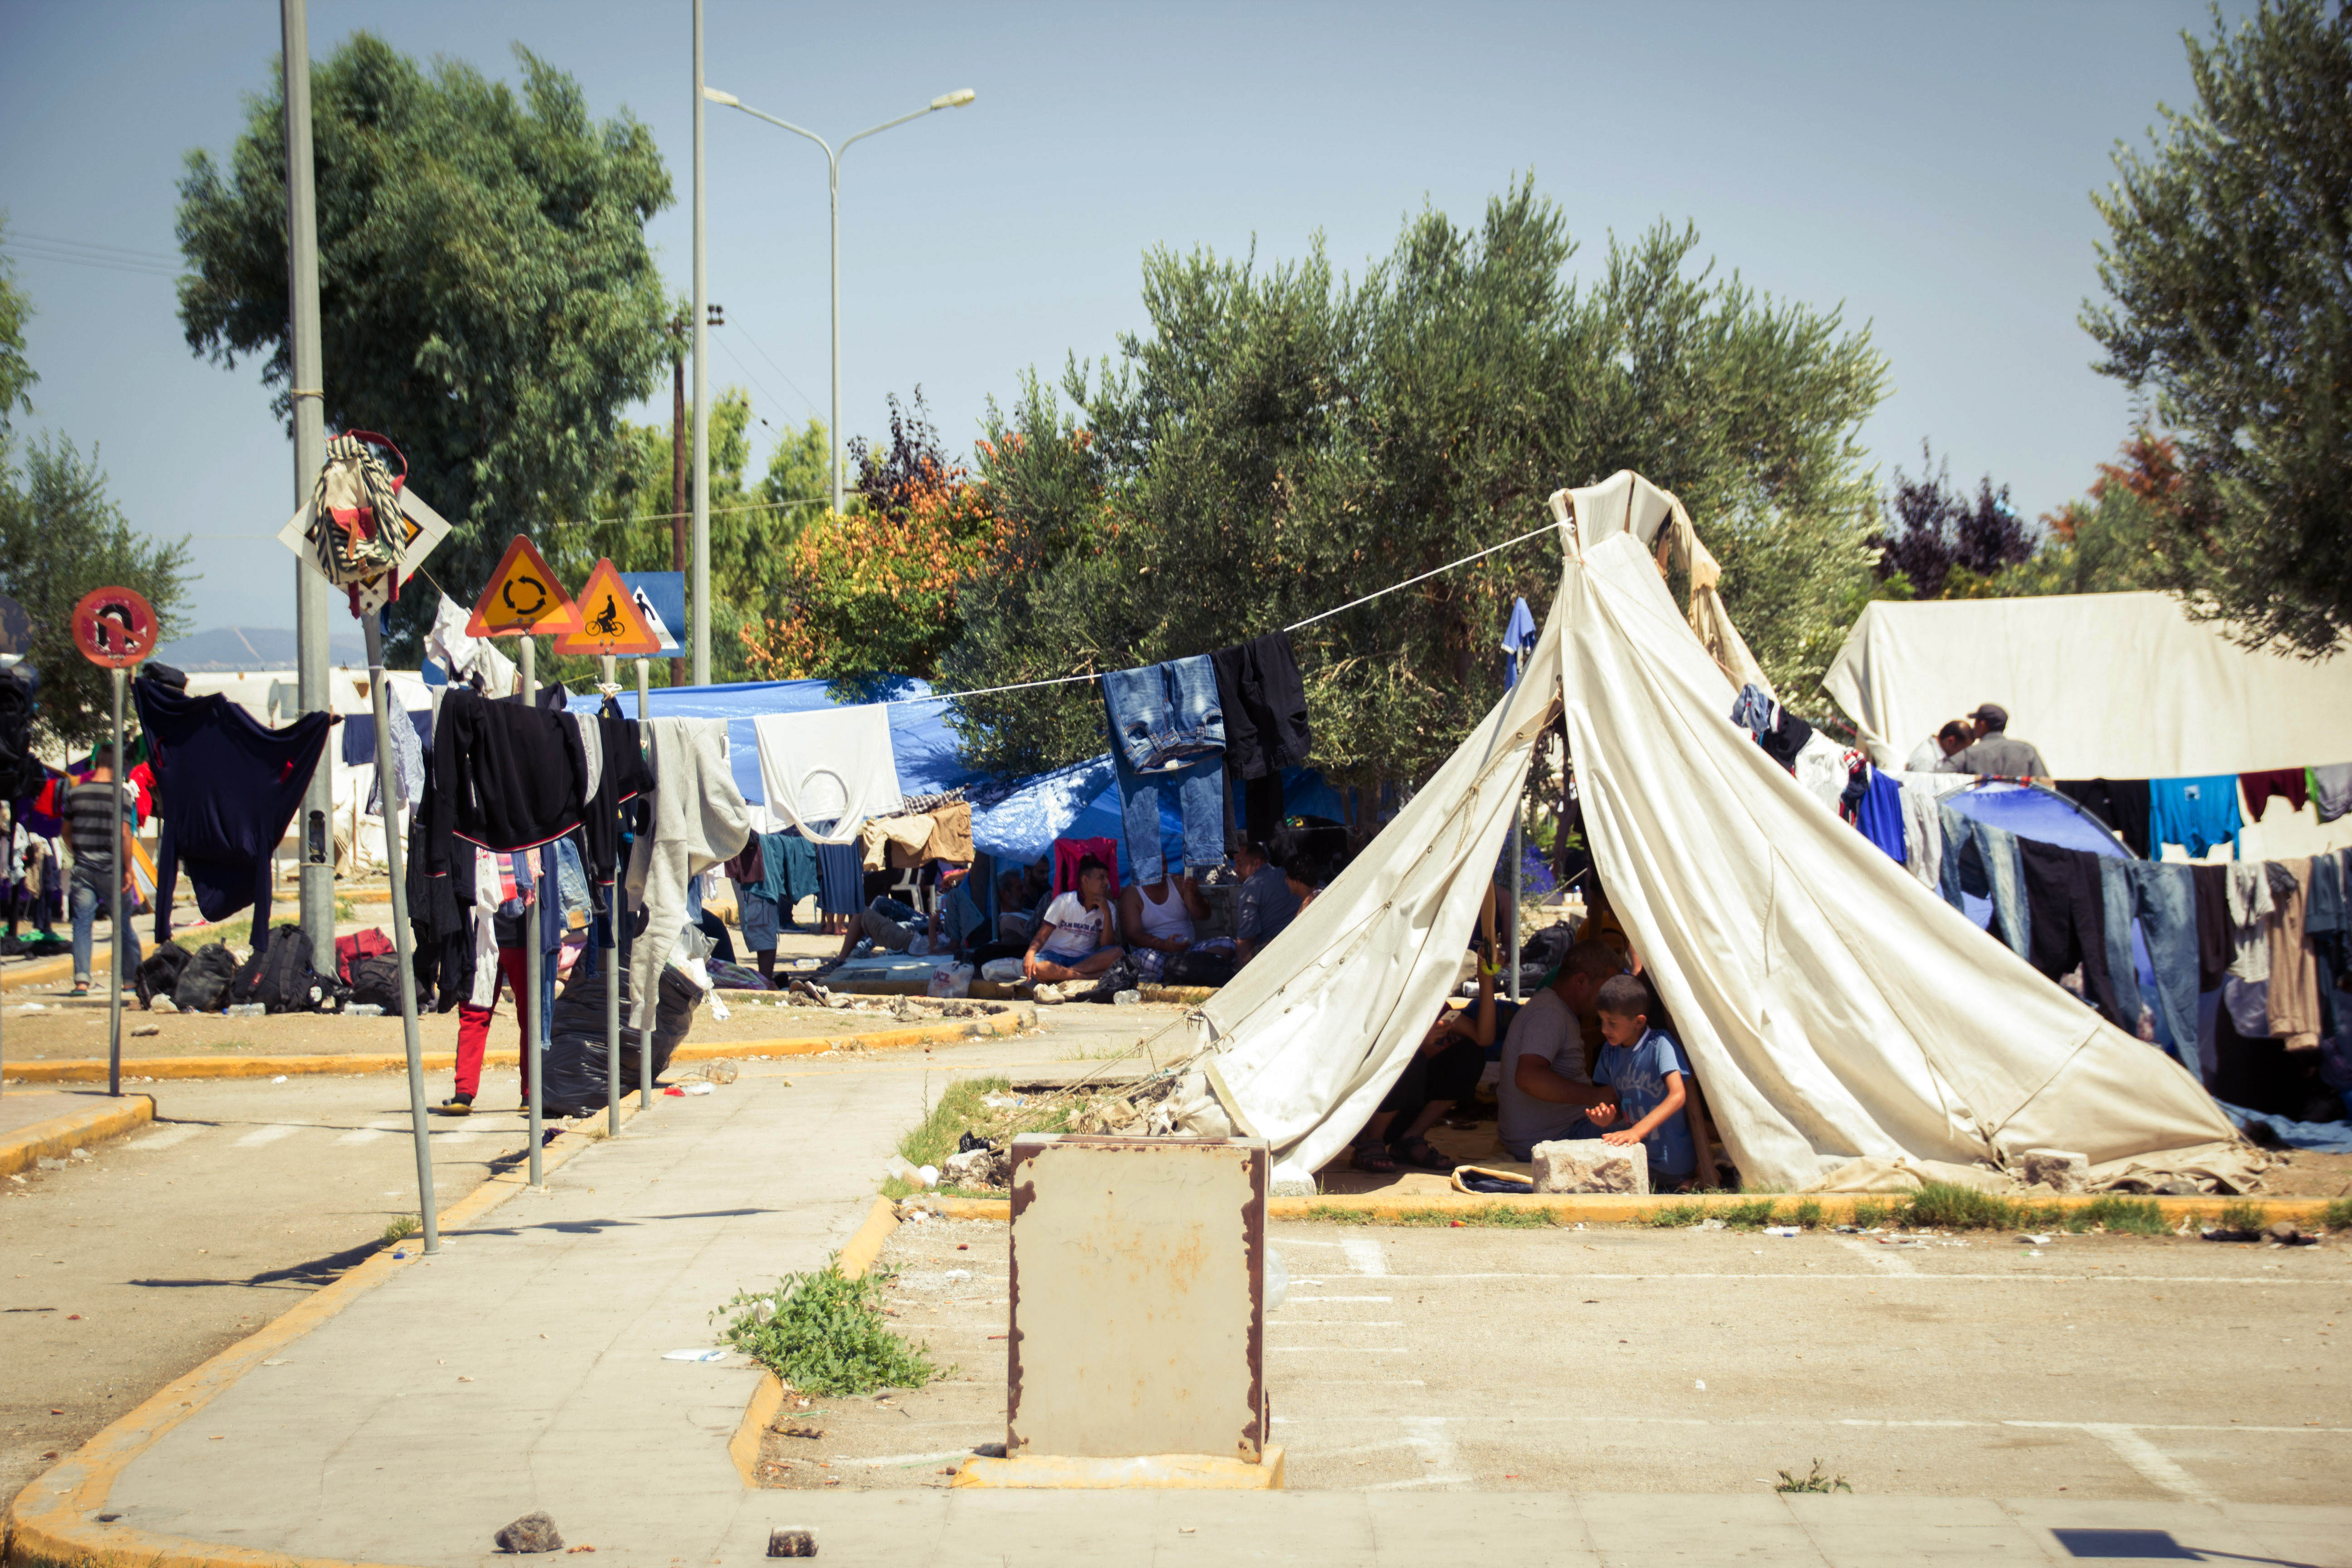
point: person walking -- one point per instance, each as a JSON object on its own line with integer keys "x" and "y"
{"x": 102, "y": 846}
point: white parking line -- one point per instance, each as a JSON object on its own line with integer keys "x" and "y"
{"x": 268, "y": 1133}
{"x": 1341, "y": 1349}
{"x": 1332, "y": 1324}
{"x": 1365, "y": 1256}
{"x": 164, "y": 1137}
{"x": 1380, "y": 1298}
{"x": 367, "y": 1134}
{"x": 1886, "y": 1261}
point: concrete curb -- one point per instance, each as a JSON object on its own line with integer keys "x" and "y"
{"x": 60, "y": 1135}
{"x": 856, "y": 1257}
{"x": 1571, "y": 1208}
{"x": 92, "y": 1070}
{"x": 42, "y": 971}
{"x": 54, "y": 1521}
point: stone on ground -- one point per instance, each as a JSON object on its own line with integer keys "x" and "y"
{"x": 1592, "y": 1165}
{"x": 2060, "y": 1170}
{"x": 534, "y": 1532}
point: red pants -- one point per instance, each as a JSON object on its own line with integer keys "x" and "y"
{"x": 474, "y": 1024}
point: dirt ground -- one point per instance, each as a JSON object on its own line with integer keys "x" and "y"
{"x": 1623, "y": 1359}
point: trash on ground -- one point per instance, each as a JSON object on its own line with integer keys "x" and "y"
{"x": 375, "y": 1010}
{"x": 279, "y": 1078}
{"x": 1900, "y": 1241}
{"x": 695, "y": 1355}
{"x": 1783, "y": 1230}
{"x": 245, "y": 1010}
{"x": 792, "y": 1543}
{"x": 2033, "y": 1241}
{"x": 698, "y": 1088}
{"x": 145, "y": 1029}
{"x": 534, "y": 1532}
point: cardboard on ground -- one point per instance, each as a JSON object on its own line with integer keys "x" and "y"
{"x": 421, "y": 528}
{"x": 524, "y": 598}
{"x": 610, "y": 621}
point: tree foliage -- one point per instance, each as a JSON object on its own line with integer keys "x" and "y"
{"x": 486, "y": 296}
{"x": 16, "y": 374}
{"x": 1283, "y": 440}
{"x": 2111, "y": 541}
{"x": 877, "y": 592}
{"x": 2228, "y": 273}
{"x": 1944, "y": 542}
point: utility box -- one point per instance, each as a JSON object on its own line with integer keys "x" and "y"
{"x": 1138, "y": 1297}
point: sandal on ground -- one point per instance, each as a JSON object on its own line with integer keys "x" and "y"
{"x": 1419, "y": 1153}
{"x": 79, "y": 991}
{"x": 456, "y": 1105}
{"x": 1374, "y": 1159}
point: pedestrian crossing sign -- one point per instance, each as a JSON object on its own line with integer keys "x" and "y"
{"x": 611, "y": 623}
{"x": 524, "y": 598}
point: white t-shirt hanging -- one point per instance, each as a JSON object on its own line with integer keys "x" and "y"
{"x": 834, "y": 764}
{"x": 1078, "y": 929}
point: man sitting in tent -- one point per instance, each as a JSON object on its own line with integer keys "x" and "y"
{"x": 1546, "y": 1082}
{"x": 1994, "y": 752}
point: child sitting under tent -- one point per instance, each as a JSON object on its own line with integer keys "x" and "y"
{"x": 1648, "y": 1070}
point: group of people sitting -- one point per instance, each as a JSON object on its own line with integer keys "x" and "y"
{"x": 1591, "y": 1054}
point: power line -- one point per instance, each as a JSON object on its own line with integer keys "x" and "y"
{"x": 33, "y": 248}
{"x": 778, "y": 369}
{"x": 127, "y": 252}
{"x": 649, "y": 517}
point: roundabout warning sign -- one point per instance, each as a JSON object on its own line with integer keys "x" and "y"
{"x": 524, "y": 598}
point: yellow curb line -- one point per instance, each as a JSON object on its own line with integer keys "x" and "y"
{"x": 857, "y": 1257}
{"x": 92, "y": 1070}
{"x": 60, "y": 1135}
{"x": 1568, "y": 1208}
{"x": 1166, "y": 1472}
{"x": 53, "y": 1520}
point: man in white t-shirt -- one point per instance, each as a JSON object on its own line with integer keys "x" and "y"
{"x": 1545, "y": 1082}
{"x": 1071, "y": 938}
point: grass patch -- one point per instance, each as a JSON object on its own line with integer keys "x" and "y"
{"x": 2337, "y": 1215}
{"x": 2124, "y": 1217}
{"x": 1507, "y": 1216}
{"x": 1752, "y": 1214}
{"x": 1668, "y": 1216}
{"x": 1809, "y": 1215}
{"x": 1332, "y": 1214}
{"x": 1819, "y": 1480}
{"x": 2242, "y": 1217}
{"x": 822, "y": 1333}
{"x": 401, "y": 1229}
{"x": 930, "y": 1141}
{"x": 1947, "y": 1205}
{"x": 345, "y": 909}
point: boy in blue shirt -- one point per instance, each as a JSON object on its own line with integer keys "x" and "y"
{"x": 1645, "y": 1066}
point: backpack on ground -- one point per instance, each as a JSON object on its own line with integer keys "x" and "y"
{"x": 159, "y": 974}
{"x": 375, "y": 982}
{"x": 280, "y": 975}
{"x": 204, "y": 983}
{"x": 349, "y": 950}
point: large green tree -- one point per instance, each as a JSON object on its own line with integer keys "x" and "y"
{"x": 60, "y": 536}
{"x": 486, "y": 296}
{"x": 1283, "y": 440}
{"x": 2228, "y": 271}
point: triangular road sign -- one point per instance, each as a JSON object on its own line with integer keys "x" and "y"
{"x": 524, "y": 597}
{"x": 609, "y": 622}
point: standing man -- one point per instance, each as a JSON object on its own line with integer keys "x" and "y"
{"x": 100, "y": 842}
{"x": 1950, "y": 740}
{"x": 1993, "y": 753}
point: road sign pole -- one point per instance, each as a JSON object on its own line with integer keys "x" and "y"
{"x": 646, "y": 1035}
{"x": 403, "y": 943}
{"x": 612, "y": 977}
{"x": 534, "y": 1060}
{"x": 120, "y": 942}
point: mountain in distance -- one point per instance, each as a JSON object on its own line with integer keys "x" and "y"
{"x": 232, "y": 648}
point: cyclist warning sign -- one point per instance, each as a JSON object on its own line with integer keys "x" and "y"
{"x": 610, "y": 621}
{"x": 524, "y": 598}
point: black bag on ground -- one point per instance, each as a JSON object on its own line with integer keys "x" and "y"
{"x": 575, "y": 1049}
{"x": 1201, "y": 969}
{"x": 375, "y": 980}
{"x": 278, "y": 976}
{"x": 159, "y": 974}
{"x": 203, "y": 983}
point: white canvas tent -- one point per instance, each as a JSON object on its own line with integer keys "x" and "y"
{"x": 1833, "y": 1008}
{"x": 2120, "y": 686}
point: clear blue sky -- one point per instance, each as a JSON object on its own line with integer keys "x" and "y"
{"x": 1924, "y": 166}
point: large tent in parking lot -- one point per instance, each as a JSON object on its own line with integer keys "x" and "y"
{"x": 1832, "y": 1007}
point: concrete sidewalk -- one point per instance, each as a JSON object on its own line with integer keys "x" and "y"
{"x": 522, "y": 1369}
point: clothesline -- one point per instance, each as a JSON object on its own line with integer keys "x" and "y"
{"x": 1294, "y": 626}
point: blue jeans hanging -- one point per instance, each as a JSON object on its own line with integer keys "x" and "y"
{"x": 1168, "y": 742}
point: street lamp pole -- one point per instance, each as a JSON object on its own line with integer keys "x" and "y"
{"x": 955, "y": 100}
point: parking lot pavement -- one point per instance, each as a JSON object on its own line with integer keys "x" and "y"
{"x": 1639, "y": 1360}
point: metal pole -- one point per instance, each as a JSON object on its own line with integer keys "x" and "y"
{"x": 1518, "y": 815}
{"x": 403, "y": 943}
{"x": 645, "y": 1037}
{"x": 116, "y": 946}
{"x": 699, "y": 611}
{"x": 312, "y": 606}
{"x": 611, "y": 982}
{"x": 833, "y": 186}
{"x": 533, "y": 1059}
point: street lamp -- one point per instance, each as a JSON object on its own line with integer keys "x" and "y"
{"x": 955, "y": 100}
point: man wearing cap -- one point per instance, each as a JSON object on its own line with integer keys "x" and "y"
{"x": 1993, "y": 753}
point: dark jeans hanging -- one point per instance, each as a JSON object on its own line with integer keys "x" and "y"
{"x": 2066, "y": 915}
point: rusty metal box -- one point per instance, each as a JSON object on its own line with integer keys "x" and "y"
{"x": 1137, "y": 1296}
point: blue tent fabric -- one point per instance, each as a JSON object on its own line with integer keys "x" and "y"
{"x": 2320, "y": 1137}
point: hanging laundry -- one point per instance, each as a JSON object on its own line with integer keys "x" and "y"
{"x": 232, "y": 787}
{"x": 2198, "y": 813}
{"x": 1985, "y": 861}
{"x": 2331, "y": 790}
{"x": 1265, "y": 706}
{"x": 1781, "y": 733}
{"x": 2066, "y": 910}
{"x": 2293, "y": 1010}
{"x": 2216, "y": 934}
{"x": 506, "y": 775}
{"x": 2121, "y": 804}
{"x": 2250, "y": 909}
{"x": 2291, "y": 783}
{"x": 2163, "y": 899}
{"x": 468, "y": 658}
{"x": 897, "y": 843}
{"x": 615, "y": 776}
{"x": 1168, "y": 745}
{"x": 841, "y": 879}
{"x": 699, "y": 820}
{"x": 1923, "y": 833}
{"x": 1880, "y": 814}
{"x": 789, "y": 871}
{"x": 1822, "y": 766}
{"x": 1069, "y": 852}
{"x": 1518, "y": 640}
{"x": 834, "y": 766}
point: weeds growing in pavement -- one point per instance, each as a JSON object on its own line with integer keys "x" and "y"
{"x": 1947, "y": 1205}
{"x": 401, "y": 1229}
{"x": 2241, "y": 1217}
{"x": 1807, "y": 1215}
{"x": 2337, "y": 1215}
{"x": 960, "y": 1110}
{"x": 1667, "y": 1216}
{"x": 2124, "y": 1216}
{"x": 1749, "y": 1216}
{"x": 1867, "y": 1213}
{"x": 822, "y": 1333}
{"x": 1332, "y": 1214}
{"x": 1819, "y": 1481}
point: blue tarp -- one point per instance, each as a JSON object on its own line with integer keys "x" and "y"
{"x": 1015, "y": 822}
